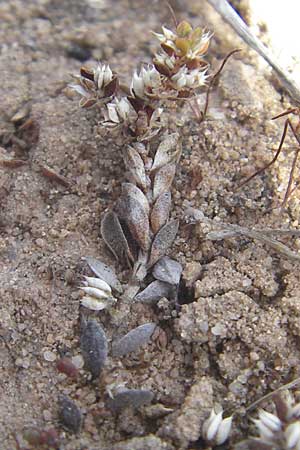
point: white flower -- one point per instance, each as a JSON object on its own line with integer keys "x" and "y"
{"x": 149, "y": 77}
{"x": 165, "y": 60}
{"x": 98, "y": 294}
{"x": 102, "y": 76}
{"x": 137, "y": 85}
{"x": 216, "y": 429}
{"x": 167, "y": 38}
{"x": 123, "y": 107}
{"x": 112, "y": 113}
{"x": 191, "y": 79}
{"x": 180, "y": 77}
{"x": 118, "y": 111}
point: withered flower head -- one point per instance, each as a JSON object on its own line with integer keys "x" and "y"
{"x": 185, "y": 43}
{"x": 94, "y": 85}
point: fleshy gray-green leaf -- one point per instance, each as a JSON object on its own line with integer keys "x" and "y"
{"x": 105, "y": 272}
{"x": 167, "y": 270}
{"x": 114, "y": 237}
{"x": 129, "y": 398}
{"x": 163, "y": 179}
{"x": 133, "y": 340}
{"x": 94, "y": 348}
{"x": 162, "y": 241}
{"x": 154, "y": 292}
{"x": 168, "y": 151}
{"x": 160, "y": 211}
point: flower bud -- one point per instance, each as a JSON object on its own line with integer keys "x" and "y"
{"x": 216, "y": 429}
{"x": 98, "y": 294}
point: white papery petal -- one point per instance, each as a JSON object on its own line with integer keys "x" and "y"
{"x": 179, "y": 74}
{"x": 94, "y": 303}
{"x": 97, "y": 283}
{"x": 169, "y": 33}
{"x": 137, "y": 85}
{"x": 265, "y": 432}
{"x": 123, "y": 108}
{"x": 94, "y": 292}
{"x": 112, "y": 113}
{"x": 223, "y": 431}
{"x": 181, "y": 82}
{"x": 145, "y": 74}
{"x": 99, "y": 76}
{"x": 159, "y": 36}
{"x": 210, "y": 427}
{"x": 108, "y": 75}
{"x": 292, "y": 434}
{"x": 79, "y": 89}
{"x": 269, "y": 420}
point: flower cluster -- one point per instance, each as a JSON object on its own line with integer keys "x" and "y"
{"x": 98, "y": 294}
{"x": 184, "y": 48}
{"x": 95, "y": 85}
{"x": 215, "y": 429}
{"x": 280, "y": 431}
{"x": 177, "y": 70}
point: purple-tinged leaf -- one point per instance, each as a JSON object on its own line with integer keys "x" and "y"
{"x": 133, "y": 340}
{"x": 167, "y": 270}
{"x": 282, "y": 407}
{"x": 135, "y": 165}
{"x": 162, "y": 241}
{"x": 137, "y": 220}
{"x": 160, "y": 211}
{"x": 154, "y": 292}
{"x": 111, "y": 87}
{"x": 106, "y": 273}
{"x": 130, "y": 190}
{"x": 114, "y": 237}
{"x": 69, "y": 414}
{"x": 163, "y": 179}
{"x": 129, "y": 398}
{"x": 93, "y": 344}
{"x": 168, "y": 151}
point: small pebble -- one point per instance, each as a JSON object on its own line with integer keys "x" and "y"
{"x": 78, "y": 361}
{"x": 49, "y": 356}
{"x": 47, "y": 415}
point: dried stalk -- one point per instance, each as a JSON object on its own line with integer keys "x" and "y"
{"x": 230, "y": 230}
{"x": 229, "y": 14}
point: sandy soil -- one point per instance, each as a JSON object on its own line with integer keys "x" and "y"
{"x": 237, "y": 335}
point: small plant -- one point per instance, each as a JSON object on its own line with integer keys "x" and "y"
{"x": 138, "y": 230}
